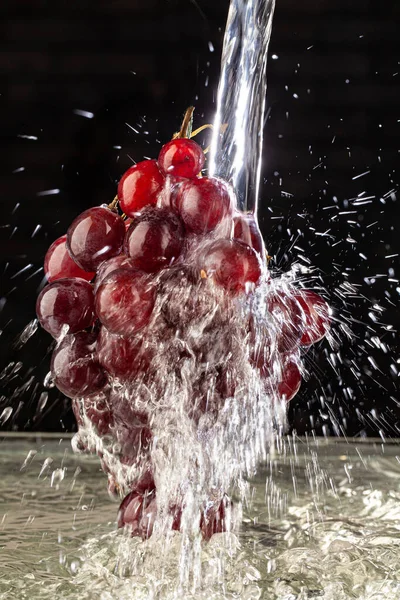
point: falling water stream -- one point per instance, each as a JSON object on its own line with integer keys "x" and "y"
{"x": 236, "y": 154}
{"x": 319, "y": 520}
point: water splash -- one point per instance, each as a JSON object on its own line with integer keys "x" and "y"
{"x": 345, "y": 292}
{"x": 320, "y": 535}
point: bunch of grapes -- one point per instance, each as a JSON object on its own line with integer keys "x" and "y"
{"x": 141, "y": 288}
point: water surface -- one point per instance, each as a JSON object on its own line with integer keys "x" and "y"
{"x": 324, "y": 523}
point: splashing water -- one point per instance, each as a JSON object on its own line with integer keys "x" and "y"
{"x": 197, "y": 454}
{"x": 323, "y": 524}
{"x": 204, "y": 414}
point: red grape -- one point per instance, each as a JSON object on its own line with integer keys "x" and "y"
{"x": 75, "y": 370}
{"x": 289, "y": 319}
{"x": 66, "y": 306}
{"x": 79, "y": 442}
{"x": 134, "y": 438}
{"x": 146, "y": 482}
{"x": 99, "y": 413}
{"x": 290, "y": 380}
{"x": 125, "y": 301}
{"x": 58, "y": 264}
{"x": 260, "y": 344}
{"x": 317, "y": 317}
{"x": 138, "y": 511}
{"x": 181, "y": 157}
{"x": 246, "y": 230}
{"x": 226, "y": 381}
{"x": 76, "y": 409}
{"x": 139, "y": 186}
{"x": 154, "y": 239}
{"x": 166, "y": 197}
{"x": 213, "y": 520}
{"x": 203, "y": 204}
{"x": 185, "y": 302}
{"x": 232, "y": 264}
{"x": 112, "y": 264}
{"x": 127, "y": 415}
{"x": 95, "y": 236}
{"x": 122, "y": 357}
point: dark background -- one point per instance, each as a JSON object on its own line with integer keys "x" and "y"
{"x": 333, "y": 101}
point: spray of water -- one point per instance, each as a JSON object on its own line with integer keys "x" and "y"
{"x": 197, "y": 454}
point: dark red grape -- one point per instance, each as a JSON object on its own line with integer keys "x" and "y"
{"x": 260, "y": 344}
{"x": 181, "y": 157}
{"x": 245, "y": 229}
{"x": 66, "y": 306}
{"x": 186, "y": 301}
{"x": 75, "y": 370}
{"x": 76, "y": 409}
{"x": 317, "y": 317}
{"x": 154, "y": 239}
{"x": 99, "y": 413}
{"x": 226, "y": 381}
{"x": 134, "y": 439}
{"x": 59, "y": 265}
{"x": 112, "y": 264}
{"x": 166, "y": 198}
{"x": 214, "y": 519}
{"x": 95, "y": 236}
{"x": 130, "y": 513}
{"x": 79, "y": 442}
{"x": 122, "y": 357}
{"x": 288, "y": 318}
{"x": 145, "y": 482}
{"x": 133, "y": 428}
{"x": 290, "y": 380}
{"x": 125, "y": 301}
{"x": 138, "y": 511}
{"x": 139, "y": 186}
{"x": 203, "y": 204}
{"x": 233, "y": 265}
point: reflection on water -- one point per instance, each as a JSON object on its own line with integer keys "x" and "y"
{"x": 323, "y": 523}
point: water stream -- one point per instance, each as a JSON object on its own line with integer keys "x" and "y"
{"x": 236, "y": 154}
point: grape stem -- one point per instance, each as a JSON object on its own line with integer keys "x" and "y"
{"x": 186, "y": 131}
{"x": 208, "y": 126}
{"x": 186, "y": 127}
{"x": 113, "y": 204}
